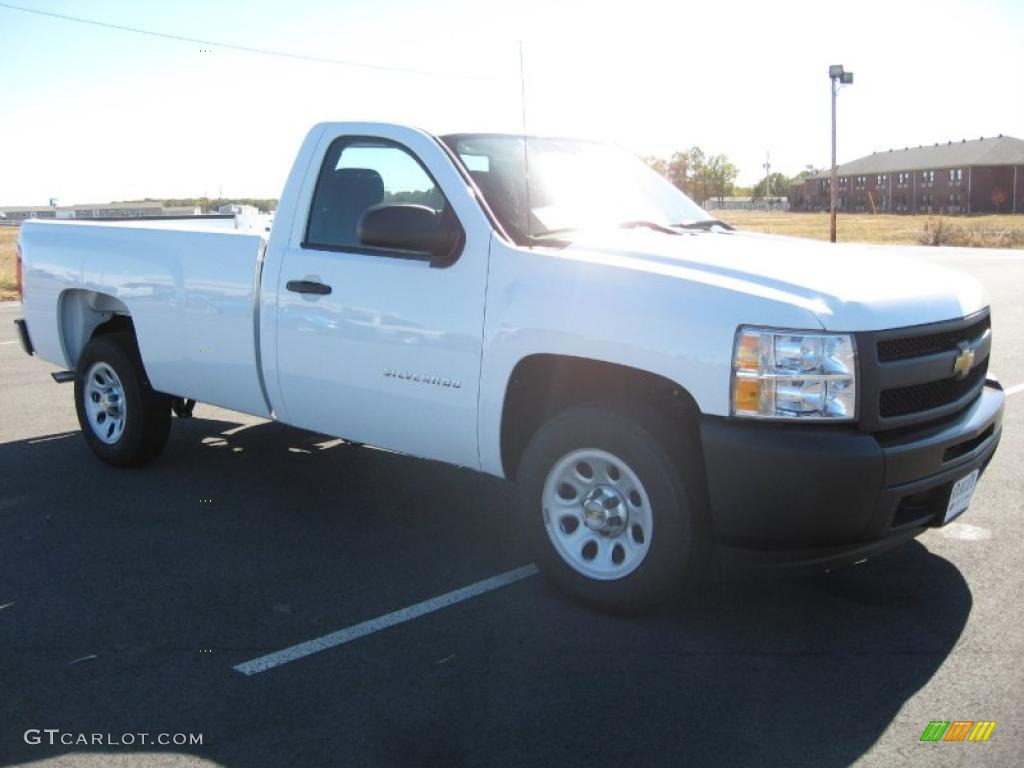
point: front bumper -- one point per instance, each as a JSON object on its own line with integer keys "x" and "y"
{"x": 793, "y": 496}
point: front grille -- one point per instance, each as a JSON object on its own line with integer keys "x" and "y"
{"x": 907, "y": 374}
{"x": 917, "y": 346}
{"x": 932, "y": 394}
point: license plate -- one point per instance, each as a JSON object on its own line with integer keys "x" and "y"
{"x": 960, "y": 497}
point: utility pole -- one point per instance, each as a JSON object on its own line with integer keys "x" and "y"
{"x": 838, "y": 77}
{"x": 832, "y": 179}
{"x": 768, "y": 173}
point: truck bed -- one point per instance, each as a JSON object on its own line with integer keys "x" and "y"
{"x": 190, "y": 291}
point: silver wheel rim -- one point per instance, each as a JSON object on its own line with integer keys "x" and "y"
{"x": 597, "y": 514}
{"x": 104, "y": 403}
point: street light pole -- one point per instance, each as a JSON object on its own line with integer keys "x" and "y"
{"x": 838, "y": 76}
{"x": 832, "y": 181}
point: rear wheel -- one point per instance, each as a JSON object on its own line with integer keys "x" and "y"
{"x": 606, "y": 504}
{"x": 123, "y": 420}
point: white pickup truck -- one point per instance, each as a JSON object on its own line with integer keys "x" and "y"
{"x": 665, "y": 391}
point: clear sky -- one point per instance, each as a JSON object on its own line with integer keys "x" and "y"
{"x": 90, "y": 114}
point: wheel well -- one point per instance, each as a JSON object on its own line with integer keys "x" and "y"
{"x": 87, "y": 314}
{"x": 114, "y": 324}
{"x": 542, "y": 385}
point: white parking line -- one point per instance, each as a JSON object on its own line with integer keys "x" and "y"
{"x": 5, "y": 343}
{"x": 48, "y": 438}
{"x": 342, "y": 636}
{"x": 965, "y": 532}
{"x": 1015, "y": 389}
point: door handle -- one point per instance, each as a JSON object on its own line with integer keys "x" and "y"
{"x": 308, "y": 286}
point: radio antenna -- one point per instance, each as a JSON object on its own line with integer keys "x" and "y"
{"x": 526, "y": 148}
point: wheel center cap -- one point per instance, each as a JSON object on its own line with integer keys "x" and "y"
{"x": 605, "y": 511}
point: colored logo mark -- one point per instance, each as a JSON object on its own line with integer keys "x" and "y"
{"x": 958, "y": 730}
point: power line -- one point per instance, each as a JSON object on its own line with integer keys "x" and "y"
{"x": 242, "y": 48}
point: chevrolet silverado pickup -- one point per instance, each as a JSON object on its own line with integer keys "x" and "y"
{"x": 665, "y": 391}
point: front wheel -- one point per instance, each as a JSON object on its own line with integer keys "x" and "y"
{"x": 607, "y": 507}
{"x": 123, "y": 420}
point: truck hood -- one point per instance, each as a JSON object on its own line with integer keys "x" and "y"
{"x": 848, "y": 287}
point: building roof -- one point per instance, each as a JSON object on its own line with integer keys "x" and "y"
{"x": 999, "y": 150}
{"x": 138, "y": 205}
{"x": 24, "y": 208}
{"x": 237, "y": 208}
{"x": 148, "y": 206}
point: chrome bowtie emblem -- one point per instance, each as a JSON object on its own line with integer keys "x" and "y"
{"x": 964, "y": 362}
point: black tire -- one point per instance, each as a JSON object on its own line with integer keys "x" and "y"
{"x": 147, "y": 422}
{"x": 666, "y": 473}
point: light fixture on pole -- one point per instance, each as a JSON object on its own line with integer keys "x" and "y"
{"x": 839, "y": 77}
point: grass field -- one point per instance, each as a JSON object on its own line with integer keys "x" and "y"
{"x": 8, "y": 239}
{"x": 1005, "y": 231}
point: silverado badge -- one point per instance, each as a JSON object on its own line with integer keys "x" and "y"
{"x": 422, "y": 378}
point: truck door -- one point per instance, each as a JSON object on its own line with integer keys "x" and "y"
{"x": 376, "y": 345}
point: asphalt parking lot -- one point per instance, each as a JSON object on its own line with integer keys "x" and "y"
{"x": 127, "y": 599}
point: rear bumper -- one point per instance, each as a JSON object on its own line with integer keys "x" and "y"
{"x": 788, "y": 496}
{"x": 26, "y": 341}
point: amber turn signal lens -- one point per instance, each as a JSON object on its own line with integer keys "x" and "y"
{"x": 748, "y": 353}
{"x": 746, "y": 396}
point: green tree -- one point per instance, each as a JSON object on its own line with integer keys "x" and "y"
{"x": 679, "y": 170}
{"x": 676, "y": 169}
{"x": 720, "y": 175}
{"x": 657, "y": 164}
{"x": 779, "y": 186}
{"x": 265, "y": 204}
{"x": 432, "y": 198}
{"x": 699, "y": 179}
{"x": 696, "y": 173}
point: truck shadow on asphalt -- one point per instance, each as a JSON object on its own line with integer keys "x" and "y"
{"x": 130, "y": 595}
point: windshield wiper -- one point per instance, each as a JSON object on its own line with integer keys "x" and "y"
{"x": 648, "y": 225}
{"x": 638, "y": 224}
{"x": 705, "y": 224}
{"x": 553, "y": 232}
{"x": 624, "y": 225}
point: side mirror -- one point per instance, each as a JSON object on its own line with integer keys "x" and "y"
{"x": 409, "y": 227}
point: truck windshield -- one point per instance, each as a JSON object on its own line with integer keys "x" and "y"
{"x": 575, "y": 185}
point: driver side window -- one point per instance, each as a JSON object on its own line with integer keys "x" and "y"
{"x": 357, "y": 174}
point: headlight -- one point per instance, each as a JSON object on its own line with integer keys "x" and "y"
{"x": 794, "y": 375}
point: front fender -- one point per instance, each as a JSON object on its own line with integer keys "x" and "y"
{"x": 653, "y": 318}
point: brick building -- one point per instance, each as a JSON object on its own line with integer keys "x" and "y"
{"x": 978, "y": 176}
